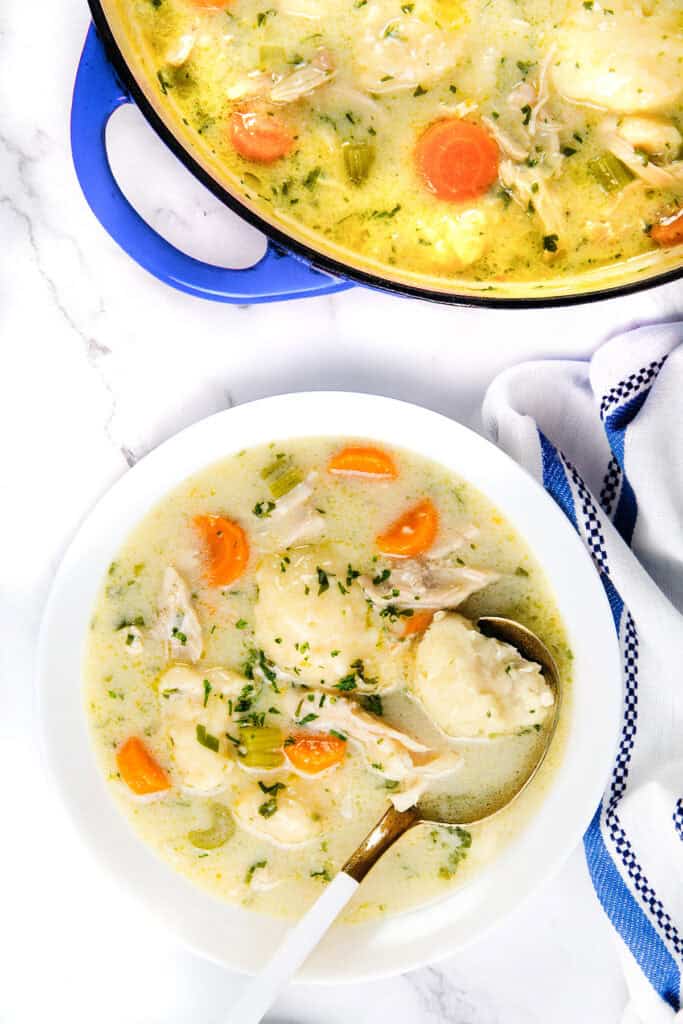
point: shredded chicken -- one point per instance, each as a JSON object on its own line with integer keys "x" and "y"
{"x": 177, "y": 624}
{"x": 256, "y": 83}
{"x": 528, "y": 185}
{"x": 300, "y": 83}
{"x": 293, "y": 520}
{"x": 508, "y": 145}
{"x": 523, "y": 95}
{"x": 391, "y": 753}
{"x": 426, "y": 585}
{"x": 661, "y": 177}
{"x": 542, "y": 91}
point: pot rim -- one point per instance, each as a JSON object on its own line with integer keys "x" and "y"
{"x": 312, "y": 257}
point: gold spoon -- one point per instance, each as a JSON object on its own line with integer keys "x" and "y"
{"x": 393, "y": 823}
{"x": 301, "y": 940}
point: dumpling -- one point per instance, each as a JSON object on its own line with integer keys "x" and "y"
{"x": 319, "y": 632}
{"x": 473, "y": 686}
{"x": 395, "y": 50}
{"x": 193, "y": 708}
{"x": 279, "y": 817}
{"x": 621, "y": 61}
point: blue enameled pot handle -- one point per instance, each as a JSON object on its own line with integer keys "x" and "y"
{"x": 278, "y": 275}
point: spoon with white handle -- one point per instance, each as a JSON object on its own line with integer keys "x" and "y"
{"x": 262, "y": 991}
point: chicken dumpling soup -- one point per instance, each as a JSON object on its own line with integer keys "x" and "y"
{"x": 522, "y": 147}
{"x": 287, "y": 644}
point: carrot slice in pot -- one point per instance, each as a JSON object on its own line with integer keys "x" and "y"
{"x": 457, "y": 159}
{"x": 669, "y": 231}
{"x": 227, "y": 549}
{"x": 314, "y": 752}
{"x": 139, "y": 770}
{"x": 260, "y": 136}
{"x": 359, "y": 460}
{"x": 418, "y": 622}
{"x": 413, "y": 533}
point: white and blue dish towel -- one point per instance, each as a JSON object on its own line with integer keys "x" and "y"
{"x": 606, "y": 440}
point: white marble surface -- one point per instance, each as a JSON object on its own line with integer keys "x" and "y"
{"x": 100, "y": 363}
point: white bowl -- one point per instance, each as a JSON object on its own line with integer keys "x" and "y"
{"x": 241, "y": 939}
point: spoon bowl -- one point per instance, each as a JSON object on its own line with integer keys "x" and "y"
{"x": 429, "y": 810}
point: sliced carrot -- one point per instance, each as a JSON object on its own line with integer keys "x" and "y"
{"x": 414, "y": 532}
{"x": 314, "y": 752}
{"x": 457, "y": 159}
{"x": 227, "y": 549}
{"x": 669, "y": 230}
{"x": 359, "y": 460}
{"x": 139, "y": 770}
{"x": 418, "y": 622}
{"x": 260, "y": 136}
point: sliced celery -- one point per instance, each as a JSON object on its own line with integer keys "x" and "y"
{"x": 282, "y": 476}
{"x": 261, "y": 748}
{"x": 609, "y": 172}
{"x": 285, "y": 482}
{"x": 358, "y": 159}
{"x": 222, "y": 829}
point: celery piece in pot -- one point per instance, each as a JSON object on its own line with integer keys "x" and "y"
{"x": 609, "y": 172}
{"x": 358, "y": 159}
{"x": 262, "y": 747}
{"x": 221, "y": 829}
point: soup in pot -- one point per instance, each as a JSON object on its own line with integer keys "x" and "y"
{"x": 519, "y": 141}
{"x": 287, "y": 644}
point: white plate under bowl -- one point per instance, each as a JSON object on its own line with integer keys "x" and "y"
{"x": 241, "y": 939}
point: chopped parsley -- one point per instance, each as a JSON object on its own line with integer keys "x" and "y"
{"x": 323, "y": 581}
{"x": 307, "y": 719}
{"x": 262, "y": 509}
{"x": 347, "y": 683}
{"x": 373, "y": 704}
{"x": 206, "y": 739}
{"x": 254, "y": 868}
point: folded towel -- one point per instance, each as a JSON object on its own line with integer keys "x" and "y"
{"x": 606, "y": 440}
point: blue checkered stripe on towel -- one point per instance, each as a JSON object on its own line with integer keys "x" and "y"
{"x": 624, "y": 891}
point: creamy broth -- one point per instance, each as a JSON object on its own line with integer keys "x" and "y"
{"x": 134, "y": 678}
{"x": 572, "y": 113}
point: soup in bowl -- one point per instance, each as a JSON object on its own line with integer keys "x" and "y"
{"x": 284, "y": 642}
